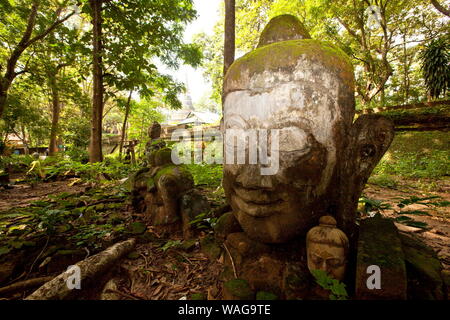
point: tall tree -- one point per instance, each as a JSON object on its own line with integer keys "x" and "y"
{"x": 125, "y": 121}
{"x": 230, "y": 30}
{"x": 130, "y": 35}
{"x": 56, "y": 110}
{"x": 37, "y": 27}
{"x": 95, "y": 145}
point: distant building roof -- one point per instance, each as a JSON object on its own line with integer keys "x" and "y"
{"x": 13, "y": 138}
{"x": 198, "y": 117}
{"x": 184, "y": 116}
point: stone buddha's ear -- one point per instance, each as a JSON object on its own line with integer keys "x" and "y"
{"x": 372, "y": 137}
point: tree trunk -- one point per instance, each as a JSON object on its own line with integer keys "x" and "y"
{"x": 95, "y": 147}
{"x": 124, "y": 127}
{"x": 441, "y": 8}
{"x": 3, "y": 96}
{"x": 25, "y": 143}
{"x": 229, "y": 45}
{"x": 56, "y": 109}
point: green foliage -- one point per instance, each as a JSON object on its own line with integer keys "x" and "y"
{"x": 58, "y": 67}
{"x": 148, "y": 30}
{"x": 171, "y": 244}
{"x": 204, "y": 174}
{"x": 111, "y": 168}
{"x": 78, "y": 154}
{"x": 386, "y": 72}
{"x": 417, "y": 200}
{"x": 429, "y": 201}
{"x": 204, "y": 220}
{"x": 414, "y": 155}
{"x": 49, "y": 219}
{"x": 436, "y": 66}
{"x": 411, "y": 222}
{"x": 55, "y": 167}
{"x": 78, "y": 220}
{"x": 88, "y": 235}
{"x": 384, "y": 180}
{"x": 336, "y": 288}
{"x": 371, "y": 205}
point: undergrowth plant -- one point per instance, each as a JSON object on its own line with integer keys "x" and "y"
{"x": 335, "y": 287}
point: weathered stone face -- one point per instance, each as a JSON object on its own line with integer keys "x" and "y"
{"x": 327, "y": 248}
{"x": 304, "y": 88}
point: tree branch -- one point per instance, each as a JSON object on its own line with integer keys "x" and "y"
{"x": 21, "y": 46}
{"x": 440, "y": 8}
{"x": 50, "y": 29}
{"x": 349, "y": 30}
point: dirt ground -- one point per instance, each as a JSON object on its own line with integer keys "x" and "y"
{"x": 437, "y": 233}
{"x": 23, "y": 194}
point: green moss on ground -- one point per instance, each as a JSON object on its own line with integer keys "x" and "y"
{"x": 239, "y": 288}
{"x": 263, "y": 295}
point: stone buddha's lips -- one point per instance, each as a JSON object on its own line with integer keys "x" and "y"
{"x": 256, "y": 203}
{"x": 258, "y": 196}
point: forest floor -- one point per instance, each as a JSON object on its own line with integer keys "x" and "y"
{"x": 163, "y": 267}
{"x": 424, "y": 213}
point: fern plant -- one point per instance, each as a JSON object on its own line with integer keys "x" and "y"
{"x": 436, "y": 66}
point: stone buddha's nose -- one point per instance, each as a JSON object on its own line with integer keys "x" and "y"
{"x": 249, "y": 176}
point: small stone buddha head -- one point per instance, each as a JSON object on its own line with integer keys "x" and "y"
{"x": 327, "y": 248}
{"x": 154, "y": 131}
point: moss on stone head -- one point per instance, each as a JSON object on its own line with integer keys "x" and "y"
{"x": 150, "y": 184}
{"x": 166, "y": 170}
{"x": 282, "y": 28}
{"x": 162, "y": 156}
{"x": 285, "y": 55}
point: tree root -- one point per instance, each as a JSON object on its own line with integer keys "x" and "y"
{"x": 23, "y": 285}
{"x": 90, "y": 268}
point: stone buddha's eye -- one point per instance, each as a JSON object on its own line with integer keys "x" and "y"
{"x": 368, "y": 151}
{"x": 317, "y": 260}
{"x": 235, "y": 131}
{"x": 235, "y": 122}
{"x": 334, "y": 262}
{"x": 293, "y": 139}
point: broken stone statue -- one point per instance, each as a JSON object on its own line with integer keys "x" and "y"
{"x": 163, "y": 191}
{"x": 303, "y": 89}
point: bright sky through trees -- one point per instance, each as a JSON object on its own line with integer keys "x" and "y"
{"x": 208, "y": 12}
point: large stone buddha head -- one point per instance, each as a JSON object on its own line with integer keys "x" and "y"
{"x": 304, "y": 90}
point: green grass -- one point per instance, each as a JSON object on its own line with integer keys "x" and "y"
{"x": 415, "y": 155}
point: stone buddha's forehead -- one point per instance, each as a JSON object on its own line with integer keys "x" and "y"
{"x": 303, "y": 81}
{"x": 305, "y": 96}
